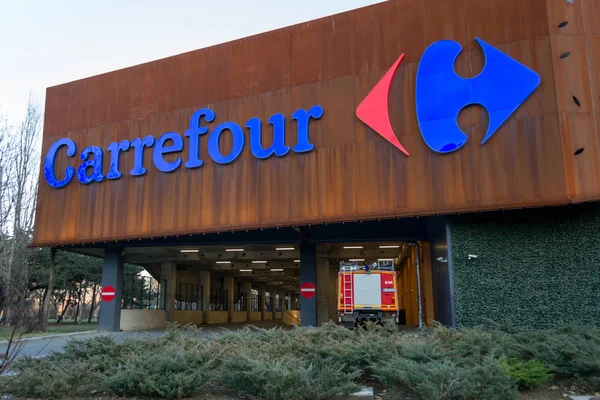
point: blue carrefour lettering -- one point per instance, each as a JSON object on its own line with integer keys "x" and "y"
{"x": 138, "y": 154}
{"x": 194, "y": 133}
{"x": 278, "y": 146}
{"x": 50, "y": 160}
{"x": 303, "y": 117}
{"x": 115, "y": 158}
{"x": 95, "y": 164}
{"x": 172, "y": 142}
{"x": 160, "y": 148}
{"x": 238, "y": 143}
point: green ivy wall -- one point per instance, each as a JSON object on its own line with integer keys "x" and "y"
{"x": 535, "y": 268}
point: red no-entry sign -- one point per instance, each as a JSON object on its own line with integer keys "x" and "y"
{"x": 108, "y": 293}
{"x": 308, "y": 290}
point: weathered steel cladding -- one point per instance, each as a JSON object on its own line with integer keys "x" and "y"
{"x": 352, "y": 173}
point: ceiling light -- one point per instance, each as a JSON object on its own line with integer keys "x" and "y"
{"x": 296, "y": 261}
{"x": 353, "y": 247}
{"x": 190, "y": 251}
{"x": 245, "y": 270}
{"x": 391, "y": 246}
{"x": 223, "y": 262}
{"x": 284, "y": 248}
{"x": 357, "y": 259}
{"x": 234, "y": 249}
{"x": 386, "y": 259}
{"x": 259, "y": 262}
{"x": 276, "y": 269}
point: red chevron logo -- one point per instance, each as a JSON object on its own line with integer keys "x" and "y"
{"x": 373, "y": 110}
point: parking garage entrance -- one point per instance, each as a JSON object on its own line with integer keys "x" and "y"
{"x": 251, "y": 276}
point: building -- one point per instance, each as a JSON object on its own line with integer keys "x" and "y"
{"x": 262, "y": 154}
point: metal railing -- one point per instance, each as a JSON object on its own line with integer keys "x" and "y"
{"x": 188, "y": 296}
{"x": 268, "y": 302}
{"x": 241, "y": 302}
{"x": 142, "y": 292}
{"x": 255, "y": 302}
{"x": 218, "y": 301}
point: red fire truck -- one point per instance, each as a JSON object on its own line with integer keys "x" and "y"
{"x": 367, "y": 293}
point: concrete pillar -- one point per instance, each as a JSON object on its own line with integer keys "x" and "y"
{"x": 168, "y": 274}
{"x": 269, "y": 290}
{"x": 334, "y": 293}
{"x": 229, "y": 283}
{"x": 112, "y": 275}
{"x": 205, "y": 283}
{"x": 275, "y": 293}
{"x": 247, "y": 288}
{"x": 308, "y": 273}
{"x": 261, "y": 294}
{"x": 322, "y": 291}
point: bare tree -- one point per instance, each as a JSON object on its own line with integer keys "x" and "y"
{"x": 19, "y": 158}
{"x": 45, "y": 314}
{"x": 18, "y": 189}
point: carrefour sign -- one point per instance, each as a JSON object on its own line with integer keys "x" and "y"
{"x": 440, "y": 94}
{"x": 92, "y": 157}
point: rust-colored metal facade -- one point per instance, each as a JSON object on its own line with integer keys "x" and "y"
{"x": 353, "y": 173}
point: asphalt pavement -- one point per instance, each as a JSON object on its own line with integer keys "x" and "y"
{"x": 40, "y": 347}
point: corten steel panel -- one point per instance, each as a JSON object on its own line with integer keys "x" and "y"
{"x": 445, "y": 21}
{"x": 571, "y": 74}
{"x": 560, "y": 12}
{"x": 273, "y": 61}
{"x": 591, "y": 17}
{"x": 537, "y": 55}
{"x": 485, "y": 18}
{"x": 403, "y": 19}
{"x": 367, "y": 46}
{"x": 526, "y": 19}
{"x": 574, "y": 79}
{"x": 402, "y": 111}
{"x": 305, "y": 66}
{"x": 352, "y": 173}
{"x": 337, "y": 39}
{"x": 244, "y": 66}
{"x": 593, "y": 50}
{"x": 584, "y": 168}
{"x": 538, "y": 155}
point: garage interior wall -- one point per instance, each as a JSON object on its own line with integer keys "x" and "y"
{"x": 408, "y": 288}
{"x": 534, "y": 268}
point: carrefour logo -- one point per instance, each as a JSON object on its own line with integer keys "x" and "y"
{"x": 91, "y": 168}
{"x": 441, "y": 94}
{"x": 501, "y": 87}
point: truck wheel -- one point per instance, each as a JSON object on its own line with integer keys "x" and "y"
{"x": 348, "y": 324}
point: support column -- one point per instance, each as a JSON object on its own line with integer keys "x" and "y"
{"x": 168, "y": 274}
{"x": 205, "y": 283}
{"x": 322, "y": 291}
{"x": 112, "y": 275}
{"x": 230, "y": 288}
{"x": 334, "y": 293}
{"x": 308, "y": 273}
{"x": 273, "y": 292}
{"x": 261, "y": 294}
{"x": 247, "y": 288}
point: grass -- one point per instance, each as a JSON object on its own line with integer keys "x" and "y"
{"x": 53, "y": 329}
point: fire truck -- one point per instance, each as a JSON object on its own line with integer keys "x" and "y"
{"x": 367, "y": 293}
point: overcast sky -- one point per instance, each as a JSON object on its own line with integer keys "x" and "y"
{"x": 47, "y": 42}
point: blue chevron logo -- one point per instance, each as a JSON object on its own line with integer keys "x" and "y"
{"x": 501, "y": 87}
